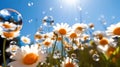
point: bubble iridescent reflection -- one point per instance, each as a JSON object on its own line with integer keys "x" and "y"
{"x": 10, "y": 20}
{"x": 48, "y": 20}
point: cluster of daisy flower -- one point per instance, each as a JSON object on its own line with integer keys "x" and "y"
{"x": 67, "y": 46}
{"x": 78, "y": 45}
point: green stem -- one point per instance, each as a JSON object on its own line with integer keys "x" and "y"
{"x": 72, "y": 42}
{"x": 4, "y": 59}
{"x": 51, "y": 61}
{"x": 54, "y": 47}
{"x": 62, "y": 48}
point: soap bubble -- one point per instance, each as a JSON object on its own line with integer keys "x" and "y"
{"x": 50, "y": 8}
{"x": 95, "y": 57}
{"x": 10, "y": 20}
{"x": 61, "y": 6}
{"x": 13, "y": 43}
{"x": 48, "y": 20}
{"x": 30, "y": 20}
{"x": 30, "y": 4}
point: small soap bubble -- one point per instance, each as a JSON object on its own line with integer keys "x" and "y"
{"x": 13, "y": 43}
{"x": 96, "y": 57}
{"x": 30, "y": 4}
{"x": 30, "y": 20}
{"x": 61, "y": 6}
{"x": 43, "y": 12}
{"x": 48, "y": 20}
{"x": 50, "y": 8}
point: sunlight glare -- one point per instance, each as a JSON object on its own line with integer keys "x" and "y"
{"x": 70, "y": 2}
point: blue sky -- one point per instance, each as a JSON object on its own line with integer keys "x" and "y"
{"x": 33, "y": 12}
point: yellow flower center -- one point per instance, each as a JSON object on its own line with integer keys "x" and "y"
{"x": 14, "y": 48}
{"x": 7, "y": 26}
{"x": 25, "y": 40}
{"x": 91, "y": 25}
{"x": 85, "y": 37}
{"x": 73, "y": 35}
{"x": 30, "y": 59}
{"x": 103, "y": 42}
{"x": 69, "y": 64}
{"x": 8, "y": 34}
{"x": 100, "y": 36}
{"x": 52, "y": 38}
{"x": 116, "y": 31}
{"x": 37, "y": 36}
{"x": 59, "y": 38}
{"x": 62, "y": 31}
{"x": 79, "y": 28}
{"x": 47, "y": 43}
{"x": 46, "y": 36}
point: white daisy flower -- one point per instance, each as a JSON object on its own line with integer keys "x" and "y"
{"x": 104, "y": 41}
{"x": 79, "y": 27}
{"x": 47, "y": 35}
{"x": 38, "y": 36}
{"x": 69, "y": 63}
{"x": 48, "y": 42}
{"x": 62, "y": 29}
{"x": 99, "y": 34}
{"x": 25, "y": 40}
{"x": 72, "y": 35}
{"x": 114, "y": 30}
{"x": 27, "y": 57}
{"x": 85, "y": 37}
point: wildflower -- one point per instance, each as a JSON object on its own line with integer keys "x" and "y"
{"x": 114, "y": 30}
{"x": 72, "y": 35}
{"x": 62, "y": 29}
{"x": 25, "y": 40}
{"x": 59, "y": 38}
{"x": 47, "y": 35}
{"x": 104, "y": 41}
{"x": 99, "y": 34}
{"x": 47, "y": 42}
{"x": 38, "y": 36}
{"x": 27, "y": 57}
{"x": 79, "y": 28}
{"x": 85, "y": 37}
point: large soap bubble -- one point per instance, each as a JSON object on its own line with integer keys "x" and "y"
{"x": 10, "y": 20}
